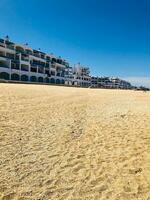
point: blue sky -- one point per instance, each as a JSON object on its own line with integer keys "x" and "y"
{"x": 112, "y": 37}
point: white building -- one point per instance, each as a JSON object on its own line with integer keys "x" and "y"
{"x": 21, "y": 63}
{"x": 82, "y": 75}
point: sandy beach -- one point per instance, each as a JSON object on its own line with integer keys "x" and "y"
{"x": 64, "y": 143}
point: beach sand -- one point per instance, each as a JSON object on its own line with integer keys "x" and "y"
{"x": 73, "y": 144}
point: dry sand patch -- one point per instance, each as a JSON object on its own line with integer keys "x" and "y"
{"x": 71, "y": 143}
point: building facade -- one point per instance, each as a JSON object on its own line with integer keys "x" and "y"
{"x": 82, "y": 75}
{"x": 107, "y": 82}
{"x": 21, "y": 63}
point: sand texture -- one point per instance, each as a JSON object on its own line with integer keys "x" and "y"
{"x": 64, "y": 143}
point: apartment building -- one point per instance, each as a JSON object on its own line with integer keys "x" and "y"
{"x": 108, "y": 82}
{"x": 22, "y": 63}
{"x": 82, "y": 75}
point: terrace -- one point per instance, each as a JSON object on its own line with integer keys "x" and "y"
{"x": 36, "y": 53}
{"x": 47, "y": 72}
{"x": 2, "y": 54}
{"x": 42, "y": 55}
{"x": 48, "y": 59}
{"x": 4, "y": 64}
{"x": 25, "y": 57}
{"x": 52, "y": 73}
{"x": 58, "y": 63}
{"x": 28, "y": 52}
{"x": 47, "y": 65}
{"x": 2, "y": 43}
{"x": 40, "y": 70}
{"x": 10, "y": 46}
{"x": 24, "y": 67}
{"x": 20, "y": 49}
{"x": 38, "y": 63}
{"x": 15, "y": 65}
{"x": 33, "y": 68}
{"x": 10, "y": 56}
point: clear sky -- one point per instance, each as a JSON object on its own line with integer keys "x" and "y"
{"x": 112, "y": 37}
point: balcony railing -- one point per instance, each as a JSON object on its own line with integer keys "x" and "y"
{"x": 7, "y": 57}
{"x": 16, "y": 67}
{"x": 33, "y": 68}
{"x": 25, "y": 59}
{"x": 57, "y": 65}
{"x": 10, "y": 47}
{"x": 4, "y": 65}
{"x": 24, "y": 68}
{"x": 20, "y": 51}
{"x": 40, "y": 70}
{"x": 2, "y": 44}
{"x": 36, "y": 55}
{"x": 28, "y": 52}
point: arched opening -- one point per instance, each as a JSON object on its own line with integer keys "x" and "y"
{"x": 57, "y": 81}
{"x": 52, "y": 80}
{"x": 4, "y": 75}
{"x": 20, "y": 49}
{"x": 47, "y": 80}
{"x": 33, "y": 78}
{"x": 15, "y": 77}
{"x": 24, "y": 78}
{"x": 40, "y": 79}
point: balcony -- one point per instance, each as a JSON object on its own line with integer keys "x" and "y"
{"x": 26, "y": 59}
{"x": 20, "y": 49}
{"x": 33, "y": 68}
{"x": 2, "y": 56}
{"x": 48, "y": 74}
{"x": 40, "y": 70}
{"x": 38, "y": 63}
{"x": 36, "y": 55}
{"x": 48, "y": 59}
{"x": 43, "y": 56}
{"x": 10, "y": 47}
{"x": 24, "y": 68}
{"x": 5, "y": 58}
{"x": 2, "y": 44}
{"x": 10, "y": 56}
{"x": 15, "y": 66}
{"x": 58, "y": 65}
{"x": 4, "y": 65}
{"x": 47, "y": 65}
{"x": 28, "y": 52}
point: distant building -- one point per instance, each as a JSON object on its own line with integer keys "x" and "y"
{"x": 107, "y": 82}
{"x": 94, "y": 81}
{"x": 82, "y": 75}
{"x": 119, "y": 83}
